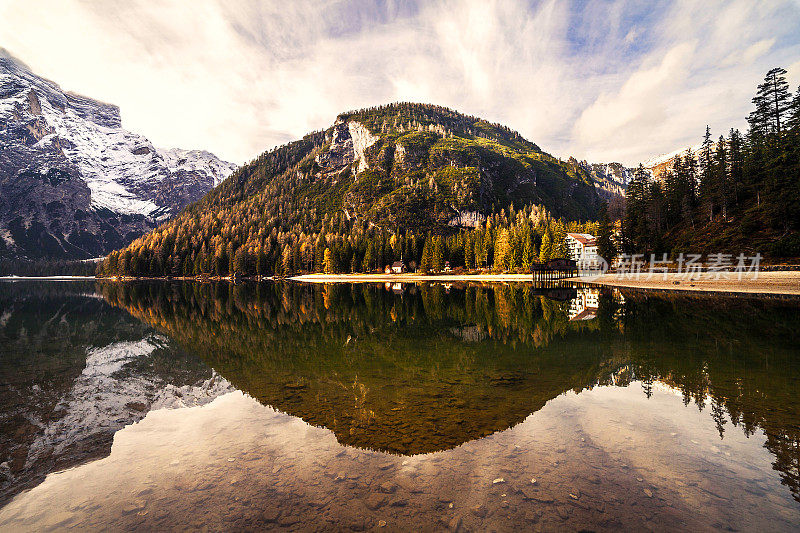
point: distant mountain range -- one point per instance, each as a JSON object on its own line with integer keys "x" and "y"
{"x": 73, "y": 182}
{"x": 611, "y": 178}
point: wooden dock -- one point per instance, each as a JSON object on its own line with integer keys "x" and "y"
{"x": 559, "y": 268}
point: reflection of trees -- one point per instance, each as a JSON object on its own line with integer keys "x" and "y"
{"x": 504, "y": 313}
{"x": 413, "y": 372}
{"x": 430, "y": 368}
{"x": 736, "y": 357}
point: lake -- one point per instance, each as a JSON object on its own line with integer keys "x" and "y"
{"x": 184, "y": 405}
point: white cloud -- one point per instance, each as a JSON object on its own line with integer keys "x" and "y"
{"x": 750, "y": 54}
{"x": 598, "y": 80}
{"x": 615, "y": 120}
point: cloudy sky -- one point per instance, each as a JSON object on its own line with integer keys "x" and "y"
{"x": 609, "y": 80}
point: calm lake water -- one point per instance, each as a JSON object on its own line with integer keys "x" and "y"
{"x": 180, "y": 405}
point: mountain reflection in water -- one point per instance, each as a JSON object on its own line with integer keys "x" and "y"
{"x": 417, "y": 369}
{"x": 433, "y": 367}
{"x": 73, "y": 371}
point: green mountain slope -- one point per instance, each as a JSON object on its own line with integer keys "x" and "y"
{"x": 396, "y": 169}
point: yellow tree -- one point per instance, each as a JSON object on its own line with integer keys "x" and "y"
{"x": 546, "y": 251}
{"x": 502, "y": 251}
{"x": 327, "y": 261}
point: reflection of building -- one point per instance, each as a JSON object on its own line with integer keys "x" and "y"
{"x": 582, "y": 247}
{"x": 618, "y": 296}
{"x": 585, "y": 304}
{"x": 396, "y": 288}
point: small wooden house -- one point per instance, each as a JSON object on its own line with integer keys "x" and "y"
{"x": 398, "y": 267}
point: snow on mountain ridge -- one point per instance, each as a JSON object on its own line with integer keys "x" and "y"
{"x": 74, "y": 148}
{"x": 665, "y": 158}
{"x": 121, "y": 168}
{"x": 178, "y": 159}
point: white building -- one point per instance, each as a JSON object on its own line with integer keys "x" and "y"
{"x": 582, "y": 247}
{"x": 398, "y": 267}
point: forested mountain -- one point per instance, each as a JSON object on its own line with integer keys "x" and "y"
{"x": 380, "y": 184}
{"x": 74, "y": 184}
{"x": 740, "y": 194}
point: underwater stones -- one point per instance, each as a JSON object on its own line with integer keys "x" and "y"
{"x": 388, "y": 487}
{"x": 133, "y": 507}
{"x": 455, "y": 524}
{"x": 375, "y": 501}
{"x": 479, "y": 510}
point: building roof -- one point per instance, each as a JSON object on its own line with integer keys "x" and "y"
{"x": 589, "y": 313}
{"x": 397, "y": 264}
{"x": 584, "y": 238}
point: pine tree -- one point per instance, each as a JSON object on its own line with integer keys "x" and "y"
{"x": 559, "y": 244}
{"x": 327, "y": 262}
{"x": 793, "y": 119}
{"x": 515, "y": 251}
{"x": 369, "y": 259}
{"x": 605, "y": 244}
{"x": 736, "y": 163}
{"x": 481, "y": 252}
{"x": 426, "y": 263}
{"x": 469, "y": 252}
{"x": 286, "y": 260}
{"x": 438, "y": 254}
{"x": 772, "y": 103}
{"x": 775, "y": 91}
{"x": 721, "y": 176}
{"x": 319, "y": 253}
{"x": 528, "y": 254}
{"x": 502, "y": 251}
{"x": 546, "y": 251}
{"x": 707, "y": 182}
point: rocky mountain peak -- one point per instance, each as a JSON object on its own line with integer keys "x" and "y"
{"x": 73, "y": 182}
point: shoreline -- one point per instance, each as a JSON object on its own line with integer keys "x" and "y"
{"x": 409, "y": 278}
{"x": 783, "y": 282}
{"x": 46, "y": 278}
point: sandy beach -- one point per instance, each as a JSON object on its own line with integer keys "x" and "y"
{"x": 408, "y": 278}
{"x": 781, "y": 282}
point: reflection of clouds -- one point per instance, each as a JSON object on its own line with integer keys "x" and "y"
{"x": 237, "y": 459}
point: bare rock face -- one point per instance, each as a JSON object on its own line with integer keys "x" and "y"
{"x": 73, "y": 183}
{"x": 362, "y": 139}
{"x": 341, "y": 151}
{"x": 349, "y": 142}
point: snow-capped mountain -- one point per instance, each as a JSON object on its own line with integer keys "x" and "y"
{"x": 73, "y": 182}
{"x": 663, "y": 163}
